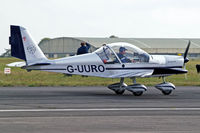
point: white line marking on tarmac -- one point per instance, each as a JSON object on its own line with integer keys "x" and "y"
{"x": 100, "y": 109}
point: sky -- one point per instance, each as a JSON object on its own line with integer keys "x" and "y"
{"x": 100, "y": 18}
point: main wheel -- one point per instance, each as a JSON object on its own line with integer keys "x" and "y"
{"x": 119, "y": 92}
{"x": 167, "y": 92}
{"x": 138, "y": 93}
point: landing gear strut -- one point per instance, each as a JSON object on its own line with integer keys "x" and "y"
{"x": 166, "y": 87}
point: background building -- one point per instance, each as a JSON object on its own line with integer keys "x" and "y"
{"x": 67, "y": 46}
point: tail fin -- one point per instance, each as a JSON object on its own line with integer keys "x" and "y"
{"x": 24, "y": 47}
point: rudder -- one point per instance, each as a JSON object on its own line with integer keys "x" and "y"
{"x": 17, "y": 48}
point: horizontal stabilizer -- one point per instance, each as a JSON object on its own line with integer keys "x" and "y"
{"x": 16, "y": 64}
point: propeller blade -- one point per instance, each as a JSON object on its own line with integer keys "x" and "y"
{"x": 186, "y": 52}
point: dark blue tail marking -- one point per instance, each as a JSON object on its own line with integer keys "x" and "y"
{"x": 15, "y": 40}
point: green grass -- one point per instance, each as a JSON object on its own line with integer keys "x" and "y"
{"x": 20, "y": 77}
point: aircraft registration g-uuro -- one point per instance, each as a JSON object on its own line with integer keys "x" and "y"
{"x": 116, "y": 60}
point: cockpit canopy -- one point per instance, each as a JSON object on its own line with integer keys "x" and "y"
{"x": 122, "y": 52}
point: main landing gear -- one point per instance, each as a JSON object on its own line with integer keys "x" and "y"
{"x": 137, "y": 89}
{"x": 118, "y": 88}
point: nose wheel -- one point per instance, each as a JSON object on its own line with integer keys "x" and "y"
{"x": 166, "y": 92}
{"x": 166, "y": 87}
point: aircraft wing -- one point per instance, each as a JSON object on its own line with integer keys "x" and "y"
{"x": 17, "y": 64}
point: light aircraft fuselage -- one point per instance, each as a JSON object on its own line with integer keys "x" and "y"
{"x": 115, "y": 60}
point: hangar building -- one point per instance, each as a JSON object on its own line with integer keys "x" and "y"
{"x": 67, "y": 46}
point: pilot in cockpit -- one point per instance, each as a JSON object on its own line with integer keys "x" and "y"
{"x": 122, "y": 56}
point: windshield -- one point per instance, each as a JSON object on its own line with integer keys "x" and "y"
{"x": 107, "y": 55}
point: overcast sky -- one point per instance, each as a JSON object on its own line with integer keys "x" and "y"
{"x": 101, "y": 18}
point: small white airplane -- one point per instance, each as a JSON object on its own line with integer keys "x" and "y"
{"x": 115, "y": 60}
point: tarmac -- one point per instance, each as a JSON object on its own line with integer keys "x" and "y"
{"x": 98, "y": 109}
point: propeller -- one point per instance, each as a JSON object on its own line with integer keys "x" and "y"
{"x": 186, "y": 52}
{"x": 185, "y": 57}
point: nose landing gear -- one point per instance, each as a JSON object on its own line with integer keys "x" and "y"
{"x": 166, "y": 87}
